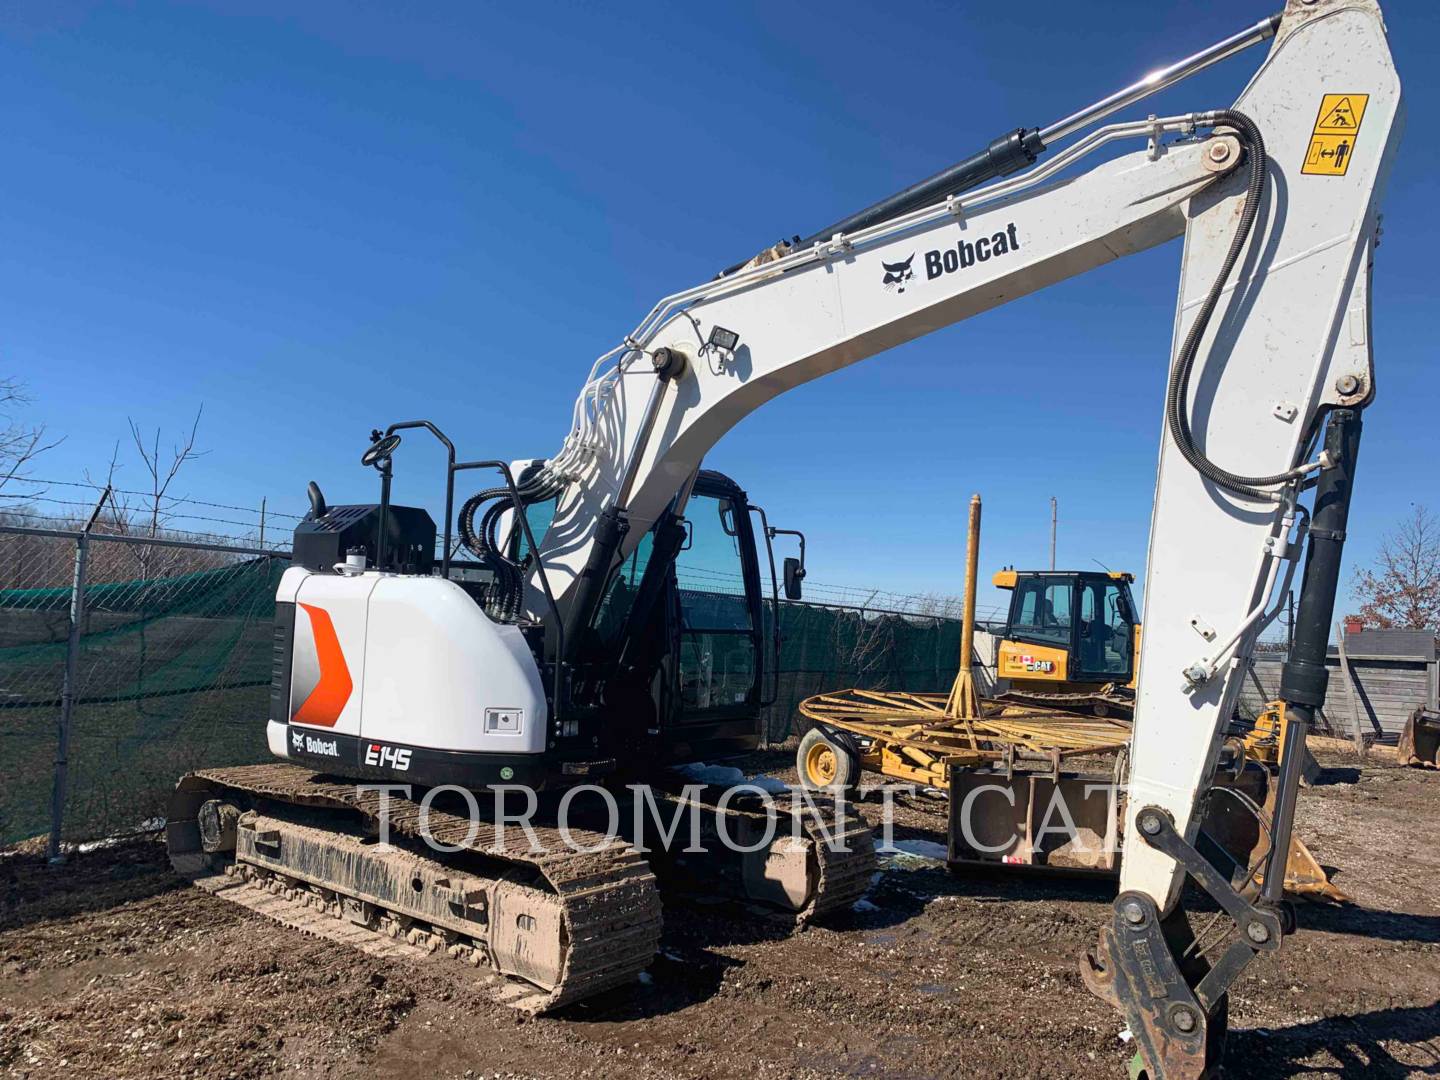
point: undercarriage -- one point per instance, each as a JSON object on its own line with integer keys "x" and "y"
{"x": 549, "y": 912}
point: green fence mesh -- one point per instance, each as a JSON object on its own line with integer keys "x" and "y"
{"x": 824, "y": 648}
{"x": 174, "y": 672}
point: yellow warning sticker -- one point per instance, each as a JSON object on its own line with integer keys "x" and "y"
{"x": 1332, "y": 143}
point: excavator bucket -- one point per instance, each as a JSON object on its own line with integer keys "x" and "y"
{"x": 1306, "y": 877}
{"x": 1232, "y": 825}
{"x": 1420, "y": 740}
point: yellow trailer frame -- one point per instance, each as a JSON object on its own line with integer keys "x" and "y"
{"x": 914, "y": 737}
{"x": 926, "y": 738}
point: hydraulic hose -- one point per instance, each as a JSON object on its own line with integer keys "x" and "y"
{"x": 504, "y": 599}
{"x": 507, "y": 596}
{"x": 1177, "y": 396}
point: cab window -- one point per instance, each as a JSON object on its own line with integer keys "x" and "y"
{"x": 1042, "y": 612}
{"x": 620, "y": 595}
{"x": 1107, "y": 629}
{"x": 717, "y": 633}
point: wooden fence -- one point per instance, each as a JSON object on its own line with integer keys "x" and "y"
{"x": 1388, "y": 690}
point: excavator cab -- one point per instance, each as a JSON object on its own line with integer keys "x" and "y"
{"x": 1071, "y": 639}
{"x": 685, "y": 634}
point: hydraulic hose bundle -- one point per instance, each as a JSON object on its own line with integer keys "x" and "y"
{"x": 506, "y": 595}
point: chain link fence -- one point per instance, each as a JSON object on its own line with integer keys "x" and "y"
{"x": 168, "y": 669}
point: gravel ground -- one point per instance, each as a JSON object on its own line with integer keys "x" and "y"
{"x": 111, "y": 968}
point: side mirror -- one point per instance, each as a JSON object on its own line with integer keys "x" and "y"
{"x": 794, "y": 575}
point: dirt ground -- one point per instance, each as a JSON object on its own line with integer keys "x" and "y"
{"x": 111, "y": 968}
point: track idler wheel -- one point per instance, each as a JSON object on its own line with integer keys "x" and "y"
{"x": 218, "y": 821}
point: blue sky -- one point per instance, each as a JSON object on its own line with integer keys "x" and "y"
{"x": 317, "y": 218}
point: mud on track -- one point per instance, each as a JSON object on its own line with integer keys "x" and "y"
{"x": 110, "y": 968}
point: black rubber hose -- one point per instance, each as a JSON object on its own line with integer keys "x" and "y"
{"x": 508, "y": 574}
{"x": 480, "y": 543}
{"x": 475, "y": 540}
{"x": 1177, "y": 397}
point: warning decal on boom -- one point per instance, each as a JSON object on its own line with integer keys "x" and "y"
{"x": 1332, "y": 143}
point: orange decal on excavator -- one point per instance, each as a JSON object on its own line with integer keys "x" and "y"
{"x": 324, "y": 704}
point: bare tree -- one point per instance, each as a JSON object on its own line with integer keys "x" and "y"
{"x": 1401, "y": 589}
{"x": 150, "y": 516}
{"x": 940, "y": 605}
{"x": 162, "y": 474}
{"x": 20, "y": 443}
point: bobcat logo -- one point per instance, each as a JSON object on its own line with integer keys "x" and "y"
{"x": 298, "y": 738}
{"x": 897, "y": 274}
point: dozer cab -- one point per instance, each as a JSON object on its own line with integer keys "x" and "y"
{"x": 1071, "y": 640}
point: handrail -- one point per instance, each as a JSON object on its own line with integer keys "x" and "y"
{"x": 504, "y": 468}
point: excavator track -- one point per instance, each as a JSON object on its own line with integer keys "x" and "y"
{"x": 546, "y": 928}
{"x": 821, "y": 860}
{"x": 549, "y": 928}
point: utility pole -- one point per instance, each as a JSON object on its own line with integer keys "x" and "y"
{"x": 1054, "y": 518}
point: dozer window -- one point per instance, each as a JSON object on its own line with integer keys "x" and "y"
{"x": 1107, "y": 636}
{"x": 717, "y": 641}
{"x": 1043, "y": 612}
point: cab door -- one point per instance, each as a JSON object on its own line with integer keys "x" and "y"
{"x": 1105, "y": 631}
{"x": 720, "y": 657}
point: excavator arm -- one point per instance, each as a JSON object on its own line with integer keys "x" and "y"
{"x": 1276, "y": 198}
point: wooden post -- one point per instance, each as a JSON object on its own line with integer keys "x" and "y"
{"x": 964, "y": 702}
{"x": 1350, "y": 691}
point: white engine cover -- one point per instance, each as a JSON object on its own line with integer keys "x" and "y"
{"x": 405, "y": 660}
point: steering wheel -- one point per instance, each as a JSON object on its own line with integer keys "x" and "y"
{"x": 380, "y": 450}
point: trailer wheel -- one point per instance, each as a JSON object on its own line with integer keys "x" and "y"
{"x": 824, "y": 764}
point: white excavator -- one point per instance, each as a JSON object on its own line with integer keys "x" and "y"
{"x": 577, "y": 644}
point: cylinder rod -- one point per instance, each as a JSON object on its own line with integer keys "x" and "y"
{"x": 1019, "y": 148}
{"x": 1160, "y": 79}
{"x": 1304, "y": 677}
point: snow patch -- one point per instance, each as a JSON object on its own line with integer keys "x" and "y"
{"x": 770, "y": 784}
{"x": 149, "y": 825}
{"x": 728, "y": 776}
{"x": 862, "y": 905}
{"x": 710, "y": 774}
{"x": 922, "y": 849}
